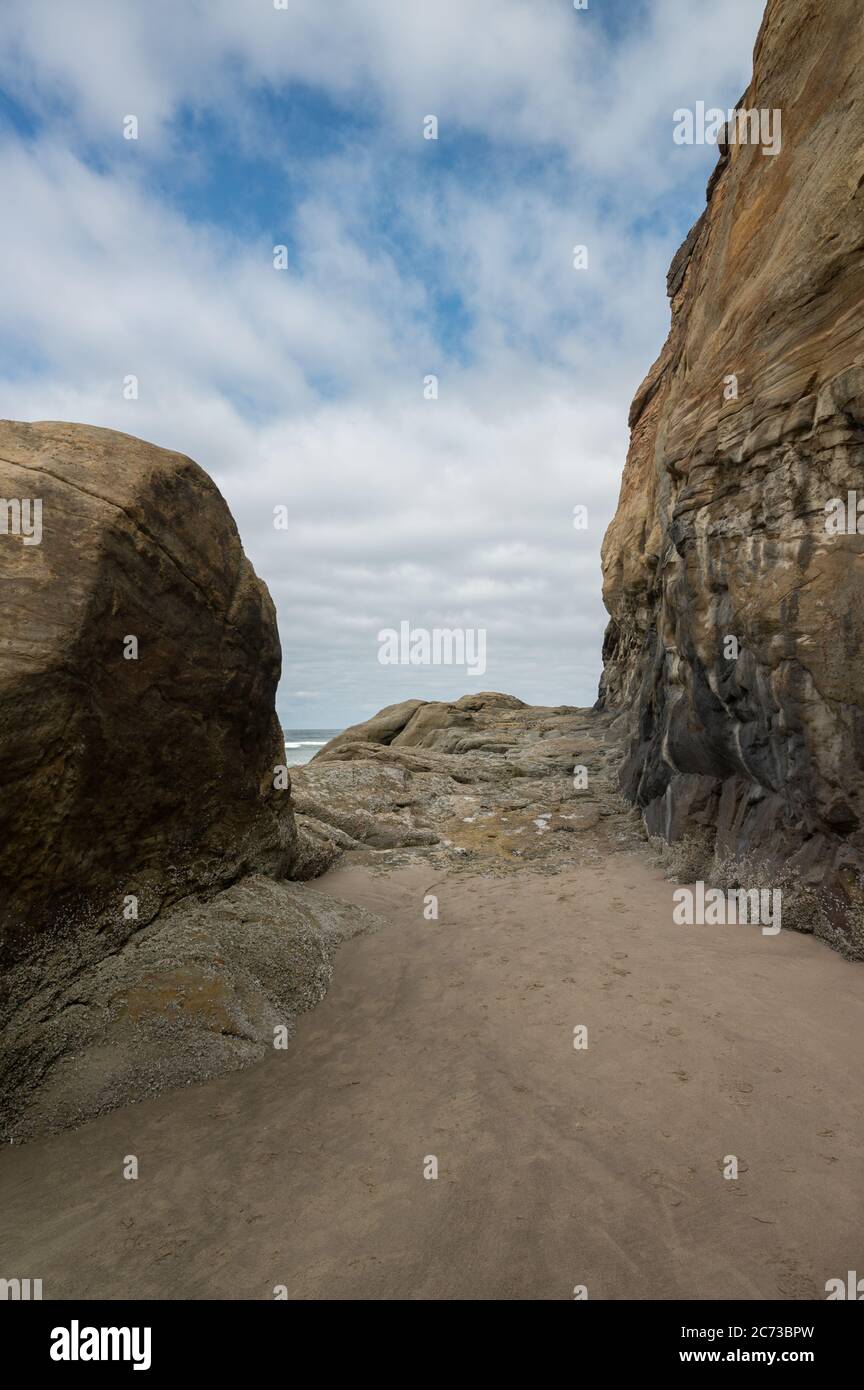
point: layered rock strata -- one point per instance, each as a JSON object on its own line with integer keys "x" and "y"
{"x": 735, "y": 651}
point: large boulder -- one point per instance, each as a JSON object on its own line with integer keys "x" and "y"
{"x": 145, "y": 812}
{"x": 735, "y": 649}
{"x": 139, "y": 658}
{"x": 438, "y": 724}
{"x": 382, "y": 728}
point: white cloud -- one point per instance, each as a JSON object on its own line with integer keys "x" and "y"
{"x": 305, "y": 387}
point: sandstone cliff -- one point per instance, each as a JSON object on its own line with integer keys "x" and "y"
{"x": 748, "y": 425}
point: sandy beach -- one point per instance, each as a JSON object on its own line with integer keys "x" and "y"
{"x": 600, "y": 1167}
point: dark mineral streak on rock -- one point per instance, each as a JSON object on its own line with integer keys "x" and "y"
{"x": 152, "y": 776}
{"x": 148, "y": 779}
{"x": 720, "y": 528}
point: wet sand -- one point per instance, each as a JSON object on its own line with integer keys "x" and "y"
{"x": 557, "y": 1167}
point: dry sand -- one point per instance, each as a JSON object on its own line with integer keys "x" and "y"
{"x": 600, "y": 1167}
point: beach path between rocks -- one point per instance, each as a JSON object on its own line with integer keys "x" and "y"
{"x": 557, "y": 1167}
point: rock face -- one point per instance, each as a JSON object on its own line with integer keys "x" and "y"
{"x": 735, "y": 650}
{"x": 139, "y": 658}
{"x": 149, "y": 776}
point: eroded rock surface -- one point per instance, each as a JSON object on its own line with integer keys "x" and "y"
{"x": 485, "y": 782}
{"x": 747, "y": 426}
{"x": 210, "y": 986}
{"x": 139, "y": 658}
{"x": 148, "y": 776}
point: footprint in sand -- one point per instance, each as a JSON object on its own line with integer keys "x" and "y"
{"x": 793, "y": 1284}
{"x": 738, "y": 1091}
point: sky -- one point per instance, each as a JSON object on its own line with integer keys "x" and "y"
{"x": 304, "y": 390}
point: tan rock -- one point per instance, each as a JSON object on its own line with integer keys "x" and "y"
{"x": 139, "y": 743}
{"x": 148, "y": 776}
{"x": 720, "y": 531}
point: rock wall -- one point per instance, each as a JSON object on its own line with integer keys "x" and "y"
{"x": 748, "y": 425}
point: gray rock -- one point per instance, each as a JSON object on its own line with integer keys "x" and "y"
{"x": 196, "y": 994}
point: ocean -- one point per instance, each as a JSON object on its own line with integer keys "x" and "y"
{"x": 302, "y": 744}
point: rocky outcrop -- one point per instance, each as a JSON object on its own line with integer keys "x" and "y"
{"x": 735, "y": 650}
{"x": 485, "y": 781}
{"x": 210, "y": 986}
{"x": 139, "y": 749}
